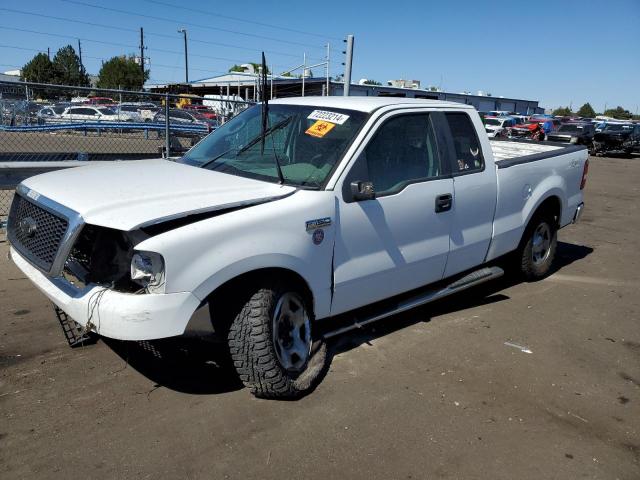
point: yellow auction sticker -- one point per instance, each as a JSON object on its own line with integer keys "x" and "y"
{"x": 320, "y": 128}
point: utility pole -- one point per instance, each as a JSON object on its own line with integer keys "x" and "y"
{"x": 183, "y": 31}
{"x": 304, "y": 70}
{"x": 142, "y": 54}
{"x": 327, "y": 69}
{"x": 347, "y": 64}
{"x": 48, "y": 53}
{"x": 80, "y": 53}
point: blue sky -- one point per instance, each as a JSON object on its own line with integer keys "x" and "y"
{"x": 558, "y": 52}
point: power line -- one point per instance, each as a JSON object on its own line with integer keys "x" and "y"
{"x": 42, "y": 15}
{"x": 197, "y": 25}
{"x": 66, "y": 36}
{"x": 15, "y": 47}
{"x": 124, "y": 29}
{"x": 251, "y": 22}
{"x": 160, "y": 50}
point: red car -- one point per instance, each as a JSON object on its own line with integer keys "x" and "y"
{"x": 201, "y": 110}
{"x": 103, "y": 101}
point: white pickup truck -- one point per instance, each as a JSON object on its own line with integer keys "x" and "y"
{"x": 349, "y": 209}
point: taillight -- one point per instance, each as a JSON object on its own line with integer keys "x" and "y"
{"x": 585, "y": 171}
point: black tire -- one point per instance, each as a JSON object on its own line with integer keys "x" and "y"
{"x": 253, "y": 348}
{"x": 534, "y": 264}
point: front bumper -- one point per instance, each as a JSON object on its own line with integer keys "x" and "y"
{"x": 123, "y": 316}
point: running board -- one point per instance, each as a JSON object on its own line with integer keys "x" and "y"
{"x": 470, "y": 280}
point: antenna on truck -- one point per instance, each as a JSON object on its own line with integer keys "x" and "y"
{"x": 265, "y": 117}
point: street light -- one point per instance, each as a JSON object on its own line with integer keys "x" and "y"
{"x": 183, "y": 31}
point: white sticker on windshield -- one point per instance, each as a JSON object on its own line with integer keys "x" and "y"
{"x": 332, "y": 117}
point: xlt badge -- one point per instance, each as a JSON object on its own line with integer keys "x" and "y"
{"x": 318, "y": 223}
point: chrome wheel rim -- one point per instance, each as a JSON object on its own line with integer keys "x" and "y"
{"x": 541, "y": 244}
{"x": 291, "y": 332}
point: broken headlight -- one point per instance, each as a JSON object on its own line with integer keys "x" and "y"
{"x": 147, "y": 270}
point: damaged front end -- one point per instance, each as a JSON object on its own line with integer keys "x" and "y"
{"x": 104, "y": 256}
{"x": 604, "y": 142}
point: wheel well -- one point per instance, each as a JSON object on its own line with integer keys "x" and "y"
{"x": 225, "y": 300}
{"x": 550, "y": 207}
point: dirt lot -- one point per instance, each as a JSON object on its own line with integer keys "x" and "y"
{"x": 435, "y": 393}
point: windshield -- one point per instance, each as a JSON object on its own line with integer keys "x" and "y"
{"x": 616, "y": 127}
{"x": 106, "y": 111}
{"x": 492, "y": 121}
{"x": 306, "y": 141}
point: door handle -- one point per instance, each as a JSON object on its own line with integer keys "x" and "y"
{"x": 444, "y": 202}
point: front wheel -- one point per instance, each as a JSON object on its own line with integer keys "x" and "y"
{"x": 272, "y": 344}
{"x": 538, "y": 248}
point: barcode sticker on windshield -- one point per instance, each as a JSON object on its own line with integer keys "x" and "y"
{"x": 332, "y": 117}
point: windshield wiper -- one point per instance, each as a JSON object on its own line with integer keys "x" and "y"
{"x": 269, "y": 130}
{"x": 217, "y": 157}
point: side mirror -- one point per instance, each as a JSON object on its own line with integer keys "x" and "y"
{"x": 362, "y": 191}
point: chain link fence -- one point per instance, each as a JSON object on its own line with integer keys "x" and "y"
{"x": 57, "y": 123}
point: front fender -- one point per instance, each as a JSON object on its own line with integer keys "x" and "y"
{"x": 201, "y": 256}
{"x": 321, "y": 293}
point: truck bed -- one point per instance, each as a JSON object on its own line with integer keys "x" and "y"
{"x": 511, "y": 149}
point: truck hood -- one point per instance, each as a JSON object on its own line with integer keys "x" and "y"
{"x": 132, "y": 194}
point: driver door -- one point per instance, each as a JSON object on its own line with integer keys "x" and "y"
{"x": 399, "y": 240}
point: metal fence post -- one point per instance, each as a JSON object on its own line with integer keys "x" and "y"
{"x": 167, "y": 142}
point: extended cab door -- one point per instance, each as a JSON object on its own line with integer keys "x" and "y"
{"x": 474, "y": 191}
{"x": 399, "y": 240}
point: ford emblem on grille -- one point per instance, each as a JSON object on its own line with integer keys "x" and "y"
{"x": 28, "y": 227}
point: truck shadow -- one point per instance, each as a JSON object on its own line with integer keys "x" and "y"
{"x": 186, "y": 365}
{"x": 197, "y": 366}
{"x": 483, "y": 294}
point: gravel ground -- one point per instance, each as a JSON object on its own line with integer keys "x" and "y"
{"x": 433, "y": 393}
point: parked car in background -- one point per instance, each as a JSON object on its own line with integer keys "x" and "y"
{"x": 499, "y": 113}
{"x": 520, "y": 119}
{"x": 86, "y": 113}
{"x": 617, "y": 138}
{"x": 127, "y": 113}
{"x": 50, "y": 114}
{"x": 576, "y": 133}
{"x": 202, "y": 110}
{"x": 498, "y": 126}
{"x": 143, "y": 111}
{"x": 180, "y": 115}
{"x": 526, "y": 130}
{"x": 106, "y": 101}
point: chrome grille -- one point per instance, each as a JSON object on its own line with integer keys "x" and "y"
{"x": 35, "y": 232}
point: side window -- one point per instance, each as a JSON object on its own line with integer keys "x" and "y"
{"x": 468, "y": 155}
{"x": 402, "y": 151}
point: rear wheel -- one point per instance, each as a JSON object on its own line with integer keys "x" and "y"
{"x": 538, "y": 248}
{"x": 272, "y": 344}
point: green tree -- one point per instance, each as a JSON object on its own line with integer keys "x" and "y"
{"x": 122, "y": 72}
{"x": 256, "y": 68}
{"x": 67, "y": 69}
{"x": 39, "y": 70}
{"x": 587, "y": 111}
{"x": 562, "y": 112}
{"x": 371, "y": 82}
{"x": 618, "y": 113}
